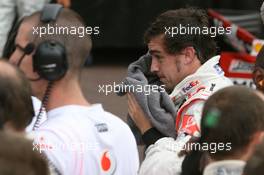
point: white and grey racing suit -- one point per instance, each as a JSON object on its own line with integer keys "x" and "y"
{"x": 189, "y": 96}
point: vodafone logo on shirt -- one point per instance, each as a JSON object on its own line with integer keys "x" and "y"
{"x": 107, "y": 163}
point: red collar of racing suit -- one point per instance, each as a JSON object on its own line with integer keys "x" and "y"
{"x": 189, "y": 86}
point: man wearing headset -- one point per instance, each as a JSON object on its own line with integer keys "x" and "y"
{"x": 77, "y": 137}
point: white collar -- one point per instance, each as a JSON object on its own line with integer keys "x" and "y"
{"x": 206, "y": 72}
{"x": 228, "y": 167}
{"x": 72, "y": 109}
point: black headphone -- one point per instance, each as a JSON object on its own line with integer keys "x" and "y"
{"x": 49, "y": 59}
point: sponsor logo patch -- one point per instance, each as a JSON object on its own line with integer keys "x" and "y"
{"x": 189, "y": 126}
{"x": 107, "y": 163}
{"x": 190, "y": 86}
{"x": 239, "y": 66}
{"x": 218, "y": 69}
{"x": 101, "y": 127}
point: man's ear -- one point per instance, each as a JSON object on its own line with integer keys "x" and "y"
{"x": 8, "y": 126}
{"x": 258, "y": 79}
{"x": 190, "y": 55}
{"x": 257, "y": 138}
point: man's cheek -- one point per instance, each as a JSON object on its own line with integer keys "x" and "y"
{"x": 27, "y": 67}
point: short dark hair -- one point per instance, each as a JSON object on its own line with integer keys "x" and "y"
{"x": 237, "y": 113}
{"x": 77, "y": 48}
{"x": 192, "y": 163}
{"x": 15, "y": 97}
{"x": 202, "y": 43}
{"x": 255, "y": 164}
{"x": 18, "y": 158}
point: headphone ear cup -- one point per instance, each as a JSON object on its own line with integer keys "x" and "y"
{"x": 50, "y": 61}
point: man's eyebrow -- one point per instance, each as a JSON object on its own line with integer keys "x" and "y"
{"x": 154, "y": 51}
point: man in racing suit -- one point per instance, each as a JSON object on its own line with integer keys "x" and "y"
{"x": 195, "y": 89}
{"x": 188, "y": 68}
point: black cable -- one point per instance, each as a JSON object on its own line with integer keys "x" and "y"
{"x": 26, "y": 51}
{"x": 45, "y": 99}
{"x": 43, "y": 105}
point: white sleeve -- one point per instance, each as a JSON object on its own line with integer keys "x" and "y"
{"x": 26, "y": 7}
{"x": 162, "y": 157}
{"x": 191, "y": 119}
{"x": 7, "y": 16}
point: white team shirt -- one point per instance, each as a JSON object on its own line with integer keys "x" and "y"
{"x": 81, "y": 140}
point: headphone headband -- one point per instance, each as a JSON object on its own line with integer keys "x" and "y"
{"x": 50, "y": 12}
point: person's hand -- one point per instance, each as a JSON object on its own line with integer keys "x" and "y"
{"x": 137, "y": 115}
{"x": 65, "y": 3}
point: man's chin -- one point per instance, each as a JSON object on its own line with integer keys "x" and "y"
{"x": 168, "y": 88}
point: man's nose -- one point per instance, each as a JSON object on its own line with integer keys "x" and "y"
{"x": 154, "y": 65}
{"x": 14, "y": 58}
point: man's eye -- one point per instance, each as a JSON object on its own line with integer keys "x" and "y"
{"x": 159, "y": 58}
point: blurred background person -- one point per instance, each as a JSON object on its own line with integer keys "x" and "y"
{"x": 65, "y": 3}
{"x": 232, "y": 127}
{"x": 16, "y": 108}
{"x": 18, "y": 158}
{"x": 222, "y": 127}
{"x": 255, "y": 165}
{"x": 258, "y": 72}
{"x": 12, "y": 11}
